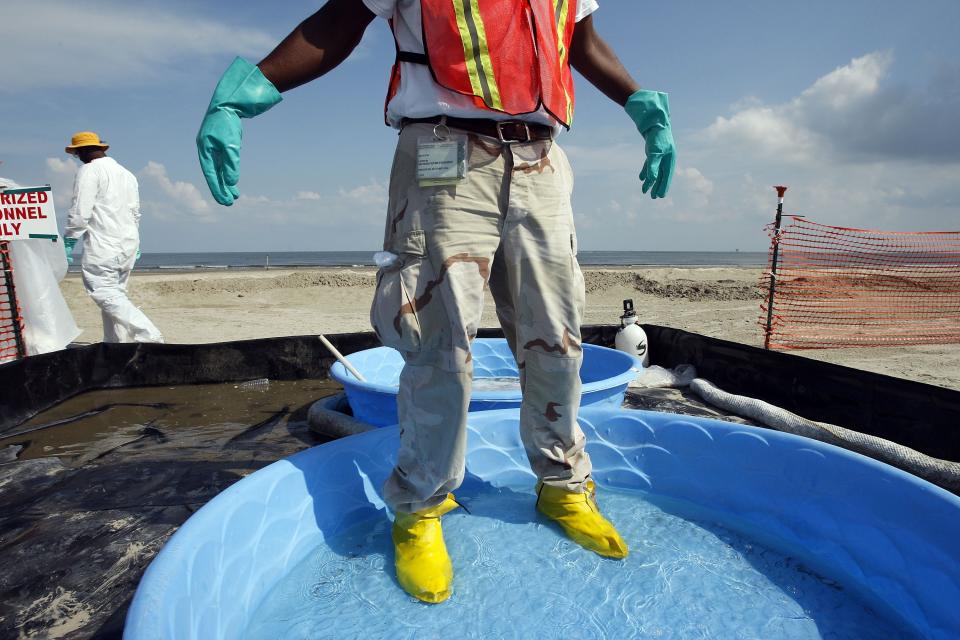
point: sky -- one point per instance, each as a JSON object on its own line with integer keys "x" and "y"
{"x": 854, "y": 105}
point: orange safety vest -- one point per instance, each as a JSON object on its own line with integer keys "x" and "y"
{"x": 510, "y": 56}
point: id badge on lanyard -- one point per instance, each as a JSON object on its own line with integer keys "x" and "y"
{"x": 441, "y": 158}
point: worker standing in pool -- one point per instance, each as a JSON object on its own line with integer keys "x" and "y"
{"x": 479, "y": 194}
{"x": 106, "y": 215}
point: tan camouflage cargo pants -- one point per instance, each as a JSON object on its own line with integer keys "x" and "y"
{"x": 508, "y": 225}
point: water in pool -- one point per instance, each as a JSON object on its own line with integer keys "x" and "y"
{"x": 516, "y": 576}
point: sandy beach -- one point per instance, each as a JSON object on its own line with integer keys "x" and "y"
{"x": 237, "y": 304}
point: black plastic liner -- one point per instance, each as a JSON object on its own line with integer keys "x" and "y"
{"x": 78, "y": 529}
{"x": 39, "y": 382}
{"x": 920, "y": 416}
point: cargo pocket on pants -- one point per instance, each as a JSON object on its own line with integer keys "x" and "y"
{"x": 396, "y": 310}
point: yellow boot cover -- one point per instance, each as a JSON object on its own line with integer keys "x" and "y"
{"x": 423, "y": 566}
{"x": 581, "y": 519}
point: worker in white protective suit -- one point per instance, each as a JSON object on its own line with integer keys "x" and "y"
{"x": 106, "y": 214}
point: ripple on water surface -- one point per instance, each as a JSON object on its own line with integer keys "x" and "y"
{"x": 517, "y": 577}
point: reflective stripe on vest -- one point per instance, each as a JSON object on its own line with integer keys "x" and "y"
{"x": 476, "y": 53}
{"x": 510, "y": 56}
{"x": 563, "y": 14}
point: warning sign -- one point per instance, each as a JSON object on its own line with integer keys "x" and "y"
{"x": 27, "y": 213}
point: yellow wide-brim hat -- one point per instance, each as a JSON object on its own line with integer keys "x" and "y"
{"x": 85, "y": 139}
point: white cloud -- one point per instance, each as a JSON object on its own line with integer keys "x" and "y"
{"x": 60, "y": 173}
{"x": 9, "y": 183}
{"x": 160, "y": 196}
{"x": 62, "y": 166}
{"x": 363, "y": 204}
{"x": 850, "y": 83}
{"x": 765, "y": 132}
{"x": 855, "y": 149}
{"x": 181, "y": 197}
{"x": 793, "y": 131}
{"x": 852, "y": 114}
{"x": 373, "y": 195}
{"x": 696, "y": 184}
{"x": 349, "y": 217}
{"x": 120, "y": 43}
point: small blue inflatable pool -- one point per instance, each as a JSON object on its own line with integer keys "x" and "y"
{"x": 605, "y": 374}
{"x": 865, "y": 527}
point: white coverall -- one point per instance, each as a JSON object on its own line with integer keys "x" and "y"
{"x": 106, "y": 214}
{"x": 38, "y": 268}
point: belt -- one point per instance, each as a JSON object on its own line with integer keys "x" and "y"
{"x": 502, "y": 130}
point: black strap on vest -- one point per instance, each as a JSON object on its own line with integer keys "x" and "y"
{"x": 416, "y": 58}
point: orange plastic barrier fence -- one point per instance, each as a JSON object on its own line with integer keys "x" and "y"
{"x": 843, "y": 287}
{"x": 11, "y": 322}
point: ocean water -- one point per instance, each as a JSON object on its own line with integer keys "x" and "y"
{"x": 156, "y": 261}
{"x": 517, "y": 576}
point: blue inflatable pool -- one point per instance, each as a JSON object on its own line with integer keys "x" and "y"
{"x": 887, "y": 535}
{"x": 605, "y": 375}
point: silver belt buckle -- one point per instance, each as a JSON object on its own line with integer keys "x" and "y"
{"x": 526, "y": 129}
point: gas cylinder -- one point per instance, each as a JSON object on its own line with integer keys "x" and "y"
{"x": 631, "y": 337}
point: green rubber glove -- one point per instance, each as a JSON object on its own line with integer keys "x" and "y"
{"x": 243, "y": 92}
{"x": 650, "y": 111}
{"x": 68, "y": 245}
{"x": 138, "y": 255}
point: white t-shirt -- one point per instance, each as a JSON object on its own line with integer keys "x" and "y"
{"x": 419, "y": 96}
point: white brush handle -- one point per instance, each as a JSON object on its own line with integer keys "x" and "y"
{"x": 339, "y": 356}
